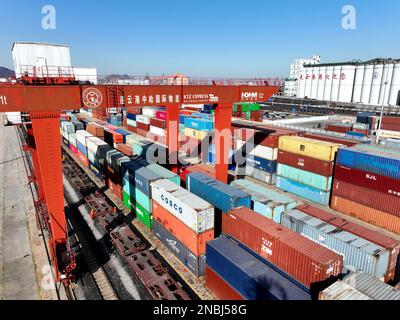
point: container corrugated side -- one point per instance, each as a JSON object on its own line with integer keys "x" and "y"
{"x": 321, "y": 150}
{"x": 370, "y": 161}
{"x": 301, "y": 258}
{"x": 372, "y": 287}
{"x": 370, "y": 215}
{"x": 358, "y": 253}
{"x": 303, "y": 191}
{"x": 381, "y": 201}
{"x": 308, "y": 178}
{"x": 261, "y": 164}
{"x": 342, "y": 291}
{"x": 257, "y": 150}
{"x": 195, "y": 212}
{"x": 143, "y": 178}
{"x": 164, "y": 173}
{"x": 195, "y": 264}
{"x": 259, "y": 175}
{"x": 253, "y": 279}
{"x": 195, "y": 242}
{"x": 219, "y": 287}
{"x": 219, "y": 194}
{"x": 393, "y": 246}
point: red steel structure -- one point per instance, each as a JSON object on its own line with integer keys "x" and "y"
{"x": 45, "y": 102}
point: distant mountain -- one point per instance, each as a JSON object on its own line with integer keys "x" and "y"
{"x": 6, "y": 73}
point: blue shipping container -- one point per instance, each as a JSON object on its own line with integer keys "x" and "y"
{"x": 304, "y": 191}
{"x": 205, "y": 116}
{"x": 81, "y": 148}
{"x": 231, "y": 163}
{"x": 219, "y": 194}
{"x": 199, "y": 124}
{"x": 143, "y": 178}
{"x": 261, "y": 164}
{"x": 131, "y": 116}
{"x": 355, "y": 134}
{"x": 253, "y": 279}
{"x": 370, "y": 161}
{"x": 182, "y": 118}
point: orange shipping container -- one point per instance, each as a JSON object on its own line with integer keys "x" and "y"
{"x": 196, "y": 243}
{"x": 373, "y": 216}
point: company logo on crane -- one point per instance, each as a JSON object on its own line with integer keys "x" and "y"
{"x": 92, "y": 98}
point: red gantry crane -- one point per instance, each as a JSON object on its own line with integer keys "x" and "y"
{"x": 46, "y": 102}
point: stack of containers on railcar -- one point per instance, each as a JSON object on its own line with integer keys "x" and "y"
{"x": 357, "y": 253}
{"x": 213, "y": 159}
{"x": 114, "y": 171}
{"x": 97, "y": 151}
{"x": 73, "y": 143}
{"x": 305, "y": 167}
{"x": 367, "y": 185}
{"x": 128, "y": 181}
{"x": 142, "y": 124}
{"x": 257, "y": 152}
{"x": 222, "y": 196}
{"x": 95, "y": 129}
{"x": 183, "y": 222}
{"x": 232, "y": 273}
{"x": 391, "y": 245}
{"x": 307, "y": 265}
{"x": 67, "y": 128}
{"x": 112, "y": 137}
{"x": 265, "y": 201}
{"x": 81, "y": 137}
{"x": 131, "y": 122}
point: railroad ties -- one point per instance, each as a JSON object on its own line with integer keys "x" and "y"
{"x": 154, "y": 276}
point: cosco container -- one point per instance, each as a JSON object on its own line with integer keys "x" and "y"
{"x": 391, "y": 245}
{"x": 308, "y": 178}
{"x": 380, "y": 201}
{"x": 357, "y": 253}
{"x": 251, "y": 278}
{"x": 323, "y": 168}
{"x": 322, "y": 150}
{"x": 143, "y": 178}
{"x": 219, "y": 194}
{"x": 257, "y": 150}
{"x": 301, "y": 258}
{"x": 368, "y": 180}
{"x": 373, "y": 288}
{"x": 193, "y": 263}
{"x": 199, "y": 124}
{"x": 342, "y": 291}
{"x": 370, "y": 215}
{"x": 196, "y": 243}
{"x": 370, "y": 161}
{"x": 219, "y": 287}
{"x": 303, "y": 191}
{"x": 164, "y": 173}
{"x": 195, "y": 212}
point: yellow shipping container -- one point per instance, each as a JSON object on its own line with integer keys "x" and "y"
{"x": 197, "y": 134}
{"x": 316, "y": 149}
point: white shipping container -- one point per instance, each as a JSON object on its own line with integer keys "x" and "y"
{"x": 86, "y": 74}
{"x": 342, "y": 291}
{"x": 93, "y": 144}
{"x": 259, "y": 151}
{"x": 131, "y": 123}
{"x": 193, "y": 211}
{"x": 157, "y": 131}
{"x": 81, "y": 136}
{"x": 149, "y": 111}
{"x": 143, "y": 119}
{"x": 42, "y": 59}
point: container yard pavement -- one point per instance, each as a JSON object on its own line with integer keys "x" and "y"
{"x": 18, "y": 280}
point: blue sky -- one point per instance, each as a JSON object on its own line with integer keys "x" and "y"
{"x": 204, "y": 37}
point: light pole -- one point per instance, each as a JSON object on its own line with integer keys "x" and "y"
{"x": 378, "y": 133}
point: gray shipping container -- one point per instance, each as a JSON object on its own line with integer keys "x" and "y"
{"x": 358, "y": 253}
{"x": 196, "y": 265}
{"x": 266, "y": 177}
{"x": 342, "y": 291}
{"x": 373, "y": 288}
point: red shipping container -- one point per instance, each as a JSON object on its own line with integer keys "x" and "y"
{"x": 345, "y": 142}
{"x": 368, "y": 197}
{"x": 203, "y": 168}
{"x": 132, "y": 129}
{"x": 141, "y": 132}
{"x": 158, "y": 123}
{"x": 73, "y": 149}
{"x": 115, "y": 188}
{"x": 95, "y": 130}
{"x": 301, "y": 258}
{"x": 162, "y": 115}
{"x": 378, "y": 238}
{"x": 368, "y": 180}
{"x": 143, "y": 126}
{"x": 364, "y": 132}
{"x": 196, "y": 243}
{"x": 221, "y": 289}
{"x": 370, "y": 215}
{"x": 390, "y": 127}
{"x": 338, "y": 128}
{"x": 323, "y": 168}
{"x": 125, "y": 149}
{"x": 82, "y": 158}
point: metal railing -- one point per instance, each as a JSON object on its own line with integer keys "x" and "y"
{"x": 46, "y": 71}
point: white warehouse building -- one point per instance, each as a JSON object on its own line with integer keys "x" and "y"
{"x": 373, "y": 82}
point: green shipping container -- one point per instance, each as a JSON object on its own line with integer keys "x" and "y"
{"x": 143, "y": 200}
{"x": 127, "y": 200}
{"x": 246, "y": 107}
{"x": 144, "y": 216}
{"x": 304, "y": 177}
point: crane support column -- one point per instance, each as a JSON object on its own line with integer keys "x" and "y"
{"x": 223, "y": 139}
{"x": 173, "y": 135}
{"x": 46, "y": 128}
